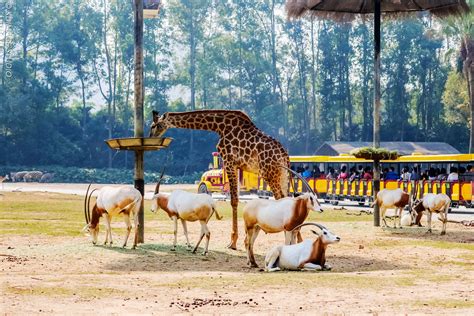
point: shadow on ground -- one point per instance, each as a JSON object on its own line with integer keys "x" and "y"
{"x": 158, "y": 257}
{"x": 455, "y": 234}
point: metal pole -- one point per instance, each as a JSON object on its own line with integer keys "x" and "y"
{"x": 139, "y": 181}
{"x": 376, "y": 188}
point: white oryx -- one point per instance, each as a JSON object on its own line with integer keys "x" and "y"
{"x": 274, "y": 216}
{"x": 431, "y": 203}
{"x": 396, "y": 199}
{"x": 188, "y": 207}
{"x": 113, "y": 201}
{"x": 307, "y": 255}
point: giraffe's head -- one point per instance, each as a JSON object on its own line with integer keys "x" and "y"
{"x": 159, "y": 125}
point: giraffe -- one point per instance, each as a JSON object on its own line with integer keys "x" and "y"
{"x": 241, "y": 145}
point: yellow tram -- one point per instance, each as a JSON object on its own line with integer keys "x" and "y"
{"x": 461, "y": 192}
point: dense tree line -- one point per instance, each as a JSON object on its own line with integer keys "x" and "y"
{"x": 67, "y": 79}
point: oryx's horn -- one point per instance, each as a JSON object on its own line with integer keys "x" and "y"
{"x": 89, "y": 204}
{"x": 157, "y": 188}
{"x": 303, "y": 180}
{"x": 85, "y": 204}
{"x": 308, "y": 224}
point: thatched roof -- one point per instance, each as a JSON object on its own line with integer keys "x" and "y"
{"x": 403, "y": 148}
{"x": 348, "y": 9}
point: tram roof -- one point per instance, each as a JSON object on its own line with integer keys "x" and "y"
{"x": 344, "y": 158}
{"x": 403, "y": 148}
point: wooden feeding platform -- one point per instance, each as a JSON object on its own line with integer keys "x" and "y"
{"x": 139, "y": 143}
{"x": 151, "y": 8}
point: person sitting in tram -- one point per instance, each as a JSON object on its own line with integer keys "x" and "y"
{"x": 453, "y": 176}
{"x": 469, "y": 175}
{"x": 405, "y": 176}
{"x": 367, "y": 174}
{"x": 330, "y": 175}
{"x": 424, "y": 175}
{"x": 343, "y": 175}
{"x": 391, "y": 175}
{"x": 432, "y": 174}
{"x": 354, "y": 175}
{"x": 414, "y": 176}
{"x": 306, "y": 173}
{"x": 360, "y": 171}
{"x": 442, "y": 176}
{"x": 316, "y": 173}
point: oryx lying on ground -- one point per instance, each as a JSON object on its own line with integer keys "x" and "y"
{"x": 306, "y": 255}
{"x": 274, "y": 216}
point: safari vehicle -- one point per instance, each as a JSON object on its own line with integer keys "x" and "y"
{"x": 333, "y": 190}
{"x": 215, "y": 179}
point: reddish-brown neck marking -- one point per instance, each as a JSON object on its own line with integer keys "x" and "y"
{"x": 318, "y": 255}
{"x": 163, "y": 204}
{"x": 95, "y": 216}
{"x": 300, "y": 212}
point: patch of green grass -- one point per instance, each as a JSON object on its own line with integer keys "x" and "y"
{"x": 443, "y": 303}
{"x": 440, "y": 244}
{"x": 467, "y": 256}
{"x": 84, "y": 291}
{"x": 290, "y": 279}
{"x": 331, "y": 215}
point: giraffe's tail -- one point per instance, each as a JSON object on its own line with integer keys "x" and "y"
{"x": 218, "y": 217}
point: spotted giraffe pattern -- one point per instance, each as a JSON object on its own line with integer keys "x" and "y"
{"x": 241, "y": 145}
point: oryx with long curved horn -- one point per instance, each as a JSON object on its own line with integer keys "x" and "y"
{"x": 274, "y": 216}
{"x": 87, "y": 210}
{"x": 157, "y": 187}
{"x": 110, "y": 202}
{"x": 308, "y": 255}
{"x": 303, "y": 180}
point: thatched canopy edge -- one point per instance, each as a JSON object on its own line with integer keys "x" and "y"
{"x": 311, "y": 8}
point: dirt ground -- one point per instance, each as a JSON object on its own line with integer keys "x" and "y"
{"x": 374, "y": 271}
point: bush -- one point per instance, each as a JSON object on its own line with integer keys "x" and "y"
{"x": 94, "y": 175}
{"x": 372, "y": 153}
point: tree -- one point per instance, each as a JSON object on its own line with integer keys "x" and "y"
{"x": 462, "y": 27}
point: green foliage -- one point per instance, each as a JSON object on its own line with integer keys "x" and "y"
{"x": 303, "y": 82}
{"x": 456, "y": 99}
{"x": 95, "y": 175}
{"x": 373, "y": 153}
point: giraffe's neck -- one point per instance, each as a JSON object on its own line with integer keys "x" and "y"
{"x": 218, "y": 121}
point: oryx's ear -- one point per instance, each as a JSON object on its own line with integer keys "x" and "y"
{"x": 156, "y": 116}
{"x": 314, "y": 232}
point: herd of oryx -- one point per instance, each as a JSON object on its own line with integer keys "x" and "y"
{"x": 285, "y": 215}
{"x": 30, "y": 176}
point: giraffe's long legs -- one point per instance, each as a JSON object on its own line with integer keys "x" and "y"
{"x": 234, "y": 202}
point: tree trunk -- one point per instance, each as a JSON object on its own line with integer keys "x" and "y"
{"x": 468, "y": 68}
{"x": 313, "y": 74}
{"x": 192, "y": 70}
{"x": 83, "y": 90}
{"x": 5, "y": 51}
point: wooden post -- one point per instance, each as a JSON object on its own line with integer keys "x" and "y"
{"x": 376, "y": 136}
{"x": 139, "y": 181}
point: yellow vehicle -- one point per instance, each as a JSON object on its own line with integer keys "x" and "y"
{"x": 215, "y": 179}
{"x": 334, "y": 190}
